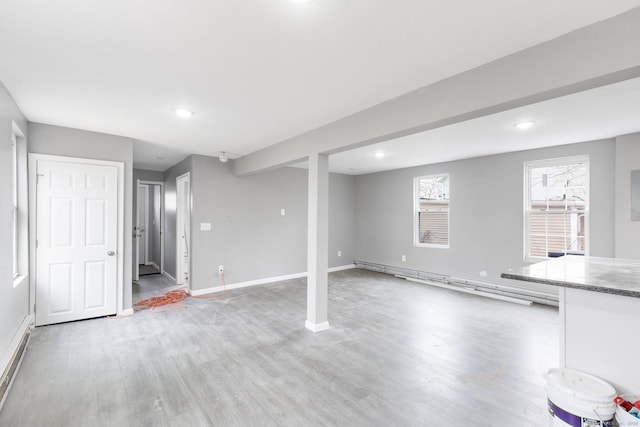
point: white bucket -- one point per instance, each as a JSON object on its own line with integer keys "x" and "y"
{"x": 577, "y": 399}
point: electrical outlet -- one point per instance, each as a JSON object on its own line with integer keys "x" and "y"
{"x": 339, "y": 253}
{"x": 404, "y": 258}
{"x": 221, "y": 269}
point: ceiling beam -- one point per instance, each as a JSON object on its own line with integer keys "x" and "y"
{"x": 599, "y": 54}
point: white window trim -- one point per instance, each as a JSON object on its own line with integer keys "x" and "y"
{"x": 558, "y": 161}
{"x": 416, "y": 211}
{"x": 20, "y": 253}
{"x": 15, "y": 232}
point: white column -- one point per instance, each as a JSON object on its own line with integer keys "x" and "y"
{"x": 318, "y": 243}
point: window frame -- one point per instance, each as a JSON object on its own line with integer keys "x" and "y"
{"x": 15, "y": 207}
{"x": 527, "y": 210}
{"x": 20, "y": 221}
{"x": 416, "y": 213}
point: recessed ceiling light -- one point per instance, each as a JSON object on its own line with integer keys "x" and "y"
{"x": 379, "y": 154}
{"x": 524, "y": 125}
{"x": 183, "y": 113}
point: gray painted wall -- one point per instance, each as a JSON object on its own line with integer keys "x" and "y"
{"x": 342, "y": 219}
{"x": 627, "y": 231}
{"x": 170, "y": 176}
{"x": 155, "y": 238}
{"x": 249, "y": 235}
{"x": 61, "y": 141}
{"x": 14, "y": 302}
{"x": 486, "y": 212}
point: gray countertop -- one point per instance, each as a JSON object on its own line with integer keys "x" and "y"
{"x": 608, "y": 275}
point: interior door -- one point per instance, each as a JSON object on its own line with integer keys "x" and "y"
{"x": 76, "y": 241}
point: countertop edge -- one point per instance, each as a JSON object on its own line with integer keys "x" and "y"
{"x": 581, "y": 286}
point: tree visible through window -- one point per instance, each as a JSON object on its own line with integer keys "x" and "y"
{"x": 557, "y": 207}
{"x": 432, "y": 210}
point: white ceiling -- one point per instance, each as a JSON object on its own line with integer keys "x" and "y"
{"x": 256, "y": 72}
{"x": 600, "y": 113}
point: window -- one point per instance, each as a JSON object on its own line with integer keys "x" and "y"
{"x": 14, "y": 204}
{"x": 19, "y": 233}
{"x": 432, "y": 211}
{"x": 556, "y": 207}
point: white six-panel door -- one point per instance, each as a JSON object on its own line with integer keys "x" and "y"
{"x": 76, "y": 241}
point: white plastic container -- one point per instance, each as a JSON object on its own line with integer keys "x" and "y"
{"x": 577, "y": 399}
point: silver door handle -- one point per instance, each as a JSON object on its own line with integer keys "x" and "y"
{"x": 111, "y": 253}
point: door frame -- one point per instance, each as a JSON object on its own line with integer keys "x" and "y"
{"x": 136, "y": 262}
{"x": 33, "y": 232}
{"x": 183, "y": 214}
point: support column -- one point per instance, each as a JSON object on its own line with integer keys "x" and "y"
{"x": 318, "y": 243}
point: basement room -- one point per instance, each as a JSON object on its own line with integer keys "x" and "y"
{"x": 319, "y": 213}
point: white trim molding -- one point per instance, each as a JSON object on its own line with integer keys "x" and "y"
{"x": 214, "y": 289}
{"x": 168, "y": 276}
{"x": 10, "y": 352}
{"x": 316, "y": 327}
{"x": 127, "y": 312}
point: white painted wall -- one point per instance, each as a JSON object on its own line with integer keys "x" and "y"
{"x": 627, "y": 231}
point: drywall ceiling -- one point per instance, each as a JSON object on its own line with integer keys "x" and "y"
{"x": 255, "y": 72}
{"x": 600, "y": 113}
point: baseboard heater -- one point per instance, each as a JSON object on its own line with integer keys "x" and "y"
{"x": 10, "y": 371}
{"x": 491, "y": 290}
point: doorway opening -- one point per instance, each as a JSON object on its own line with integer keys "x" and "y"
{"x": 149, "y": 229}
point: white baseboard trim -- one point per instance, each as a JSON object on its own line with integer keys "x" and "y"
{"x": 316, "y": 327}
{"x": 197, "y": 292}
{"x": 7, "y": 357}
{"x": 153, "y": 264}
{"x": 168, "y": 276}
{"x": 126, "y": 312}
{"x": 342, "y": 267}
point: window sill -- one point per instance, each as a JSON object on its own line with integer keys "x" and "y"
{"x": 17, "y": 281}
{"x": 429, "y": 245}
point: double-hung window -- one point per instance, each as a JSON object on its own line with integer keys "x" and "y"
{"x": 556, "y": 207}
{"x": 431, "y": 210}
{"x": 14, "y": 206}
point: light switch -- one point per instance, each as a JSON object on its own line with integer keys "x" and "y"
{"x": 205, "y": 226}
{"x": 282, "y": 212}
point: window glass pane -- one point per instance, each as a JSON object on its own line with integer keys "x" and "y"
{"x": 576, "y": 197}
{"x": 434, "y": 188}
{"x": 434, "y": 227}
{"x": 432, "y": 199}
{"x": 538, "y": 246}
{"x": 558, "y": 202}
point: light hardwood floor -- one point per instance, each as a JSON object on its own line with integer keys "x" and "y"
{"x": 397, "y": 354}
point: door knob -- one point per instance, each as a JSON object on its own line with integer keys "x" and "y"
{"x": 111, "y": 253}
